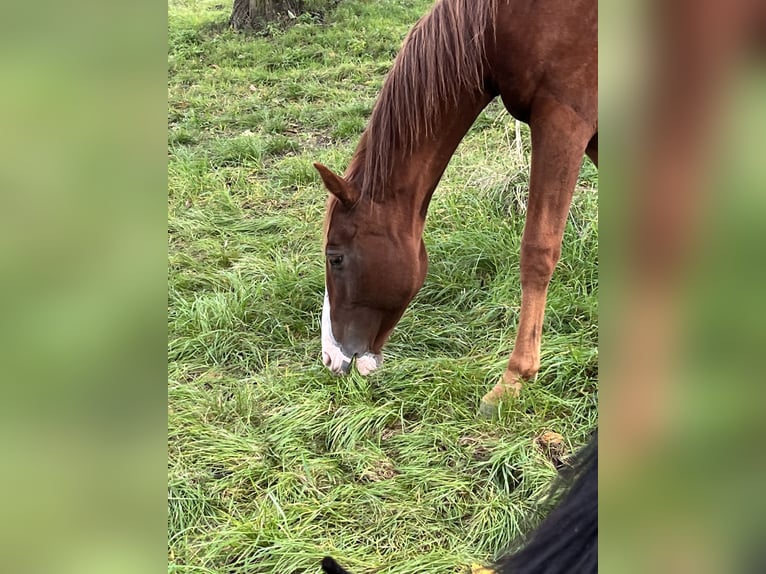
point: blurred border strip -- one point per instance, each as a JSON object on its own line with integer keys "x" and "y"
{"x": 83, "y": 255}
{"x": 682, "y": 203}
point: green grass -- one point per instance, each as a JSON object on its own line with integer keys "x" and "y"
{"x": 272, "y": 461}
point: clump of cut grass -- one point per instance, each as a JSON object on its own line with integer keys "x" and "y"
{"x": 272, "y": 461}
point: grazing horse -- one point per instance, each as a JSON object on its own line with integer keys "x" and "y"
{"x": 541, "y": 58}
{"x": 566, "y": 542}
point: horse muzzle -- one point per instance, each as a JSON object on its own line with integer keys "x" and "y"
{"x": 333, "y": 355}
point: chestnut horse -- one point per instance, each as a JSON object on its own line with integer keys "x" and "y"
{"x": 541, "y": 58}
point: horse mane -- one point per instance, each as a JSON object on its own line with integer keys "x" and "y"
{"x": 442, "y": 55}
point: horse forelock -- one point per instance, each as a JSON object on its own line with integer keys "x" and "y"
{"x": 443, "y": 54}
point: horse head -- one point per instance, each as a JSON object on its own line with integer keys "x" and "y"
{"x": 375, "y": 263}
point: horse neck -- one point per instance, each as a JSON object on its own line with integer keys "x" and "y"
{"x": 417, "y": 166}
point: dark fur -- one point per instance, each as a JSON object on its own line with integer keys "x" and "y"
{"x": 566, "y": 542}
{"x": 330, "y": 566}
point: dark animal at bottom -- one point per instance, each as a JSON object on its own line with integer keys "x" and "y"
{"x": 330, "y": 566}
{"x": 566, "y": 541}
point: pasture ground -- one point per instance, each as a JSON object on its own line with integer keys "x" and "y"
{"x": 272, "y": 461}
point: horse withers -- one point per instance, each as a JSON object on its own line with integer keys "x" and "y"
{"x": 541, "y": 59}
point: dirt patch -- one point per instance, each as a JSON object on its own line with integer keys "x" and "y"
{"x": 480, "y": 446}
{"x": 381, "y": 470}
{"x": 553, "y": 447}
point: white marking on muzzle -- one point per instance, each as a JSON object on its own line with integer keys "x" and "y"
{"x": 332, "y": 356}
{"x": 367, "y": 363}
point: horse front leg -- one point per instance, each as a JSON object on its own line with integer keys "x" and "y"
{"x": 559, "y": 139}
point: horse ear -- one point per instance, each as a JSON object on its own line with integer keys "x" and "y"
{"x": 339, "y": 187}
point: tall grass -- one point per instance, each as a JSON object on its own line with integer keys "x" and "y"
{"x": 272, "y": 461}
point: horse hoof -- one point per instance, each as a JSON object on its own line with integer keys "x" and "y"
{"x": 502, "y": 392}
{"x": 489, "y": 408}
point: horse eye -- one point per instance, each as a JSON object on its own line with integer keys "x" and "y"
{"x": 335, "y": 260}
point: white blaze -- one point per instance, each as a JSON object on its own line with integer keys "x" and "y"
{"x": 332, "y": 356}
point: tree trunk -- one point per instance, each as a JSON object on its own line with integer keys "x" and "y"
{"x": 254, "y": 13}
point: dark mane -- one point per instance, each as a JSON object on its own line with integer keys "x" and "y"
{"x": 442, "y": 55}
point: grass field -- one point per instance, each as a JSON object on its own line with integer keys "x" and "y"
{"x": 272, "y": 461}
